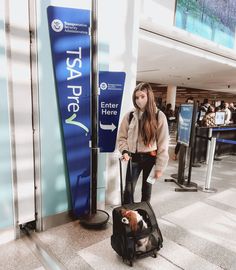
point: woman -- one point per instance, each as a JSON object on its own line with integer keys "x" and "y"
{"x": 143, "y": 137}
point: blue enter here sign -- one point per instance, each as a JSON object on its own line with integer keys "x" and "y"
{"x": 111, "y": 86}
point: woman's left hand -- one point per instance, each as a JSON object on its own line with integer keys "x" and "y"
{"x": 158, "y": 174}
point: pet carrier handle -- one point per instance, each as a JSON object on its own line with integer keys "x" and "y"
{"x": 121, "y": 180}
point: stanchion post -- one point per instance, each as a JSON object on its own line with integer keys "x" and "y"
{"x": 208, "y": 145}
{"x": 207, "y": 187}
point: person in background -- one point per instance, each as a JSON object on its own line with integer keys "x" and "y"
{"x": 222, "y": 105}
{"x": 209, "y": 118}
{"x": 217, "y": 109}
{"x": 228, "y": 113}
{"x": 144, "y": 138}
{"x": 168, "y": 111}
{"x": 205, "y": 105}
{"x": 232, "y": 107}
{"x": 189, "y": 100}
{"x": 170, "y": 115}
{"x": 202, "y": 111}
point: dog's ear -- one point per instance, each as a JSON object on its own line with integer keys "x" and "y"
{"x": 132, "y": 221}
{"x": 122, "y": 212}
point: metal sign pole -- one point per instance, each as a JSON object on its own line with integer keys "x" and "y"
{"x": 186, "y": 186}
{"x": 97, "y": 218}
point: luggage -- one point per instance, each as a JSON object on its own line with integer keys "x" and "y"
{"x": 124, "y": 241}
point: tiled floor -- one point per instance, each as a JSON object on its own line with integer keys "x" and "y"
{"x": 16, "y": 255}
{"x": 199, "y": 231}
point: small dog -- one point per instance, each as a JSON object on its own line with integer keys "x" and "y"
{"x": 137, "y": 224}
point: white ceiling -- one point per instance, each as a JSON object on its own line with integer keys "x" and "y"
{"x": 169, "y": 62}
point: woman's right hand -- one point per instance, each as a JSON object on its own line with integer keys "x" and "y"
{"x": 126, "y": 156}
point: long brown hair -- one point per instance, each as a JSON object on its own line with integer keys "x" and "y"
{"x": 148, "y": 123}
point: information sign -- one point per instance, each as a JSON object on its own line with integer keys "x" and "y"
{"x": 185, "y": 123}
{"x": 111, "y": 85}
{"x": 70, "y": 38}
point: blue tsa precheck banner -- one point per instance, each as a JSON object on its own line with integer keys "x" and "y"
{"x": 111, "y": 86}
{"x": 69, "y": 30}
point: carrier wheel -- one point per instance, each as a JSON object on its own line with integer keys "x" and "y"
{"x": 154, "y": 254}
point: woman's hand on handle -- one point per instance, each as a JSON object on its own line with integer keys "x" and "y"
{"x": 126, "y": 156}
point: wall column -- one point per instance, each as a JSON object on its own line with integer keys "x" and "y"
{"x": 117, "y": 52}
{"x": 20, "y": 107}
{"x": 171, "y": 95}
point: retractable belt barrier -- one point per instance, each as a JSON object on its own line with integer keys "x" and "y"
{"x": 213, "y": 141}
{"x": 222, "y": 129}
{"x": 226, "y": 141}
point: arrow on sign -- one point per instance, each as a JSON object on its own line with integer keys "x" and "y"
{"x": 111, "y": 127}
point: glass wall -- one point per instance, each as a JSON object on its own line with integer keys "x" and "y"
{"x": 213, "y": 20}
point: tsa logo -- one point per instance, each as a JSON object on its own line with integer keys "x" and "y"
{"x": 57, "y": 25}
{"x": 103, "y": 86}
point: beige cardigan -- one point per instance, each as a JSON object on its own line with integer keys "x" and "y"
{"x": 129, "y": 139}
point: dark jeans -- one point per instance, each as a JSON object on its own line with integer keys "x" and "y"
{"x": 140, "y": 162}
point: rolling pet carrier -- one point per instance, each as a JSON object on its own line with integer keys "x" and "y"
{"x": 124, "y": 241}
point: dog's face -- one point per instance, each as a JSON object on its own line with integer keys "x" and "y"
{"x": 132, "y": 218}
{"x": 135, "y": 221}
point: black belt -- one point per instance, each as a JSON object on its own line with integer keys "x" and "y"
{"x": 142, "y": 154}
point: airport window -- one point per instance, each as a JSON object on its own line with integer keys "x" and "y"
{"x": 213, "y": 20}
